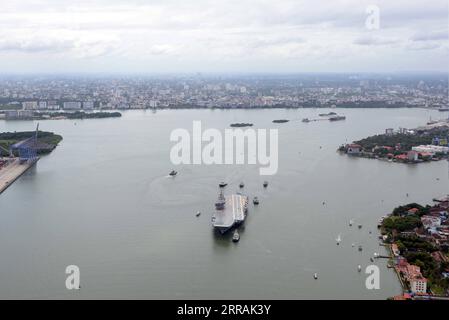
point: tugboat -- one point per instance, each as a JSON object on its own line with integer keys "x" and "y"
{"x": 235, "y": 236}
{"x": 265, "y": 184}
{"x": 255, "y": 201}
{"x": 241, "y": 185}
{"x": 222, "y": 184}
{"x": 173, "y": 173}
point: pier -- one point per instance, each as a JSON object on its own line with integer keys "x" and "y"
{"x": 12, "y": 171}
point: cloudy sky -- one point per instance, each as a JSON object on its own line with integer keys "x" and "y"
{"x": 155, "y": 36}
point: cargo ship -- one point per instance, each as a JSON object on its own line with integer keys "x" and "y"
{"x": 230, "y": 211}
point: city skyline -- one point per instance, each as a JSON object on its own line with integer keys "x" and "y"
{"x": 42, "y": 36}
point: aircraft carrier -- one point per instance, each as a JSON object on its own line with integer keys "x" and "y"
{"x": 230, "y": 211}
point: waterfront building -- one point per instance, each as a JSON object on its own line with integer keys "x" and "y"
{"x": 29, "y": 105}
{"x": 42, "y": 105}
{"x": 418, "y": 285}
{"x": 412, "y": 155}
{"x": 431, "y": 149}
{"x": 88, "y": 105}
{"x": 354, "y": 148}
{"x": 72, "y": 105}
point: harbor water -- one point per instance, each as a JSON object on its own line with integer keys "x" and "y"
{"x": 103, "y": 201}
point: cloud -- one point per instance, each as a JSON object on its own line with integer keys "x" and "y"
{"x": 430, "y": 36}
{"x": 276, "y": 34}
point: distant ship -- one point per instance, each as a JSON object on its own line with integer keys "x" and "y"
{"x": 337, "y": 118}
{"x": 230, "y": 211}
{"x": 443, "y": 109}
{"x": 327, "y": 114}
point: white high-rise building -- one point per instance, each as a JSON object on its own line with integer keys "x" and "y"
{"x": 88, "y": 105}
{"x": 72, "y": 105}
{"x": 29, "y": 105}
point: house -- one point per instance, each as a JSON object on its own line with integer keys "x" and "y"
{"x": 353, "y": 148}
{"x": 401, "y": 157}
{"x": 430, "y": 222}
{"x": 395, "y": 250}
{"x": 389, "y": 131}
{"x": 412, "y": 211}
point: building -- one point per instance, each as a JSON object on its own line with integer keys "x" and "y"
{"x": 431, "y": 149}
{"x": 389, "y": 131}
{"x": 18, "y": 114}
{"x": 72, "y": 105}
{"x": 29, "y": 105}
{"x": 354, "y": 148}
{"x": 88, "y": 105}
{"x": 412, "y": 155}
{"x": 42, "y": 105}
{"x": 418, "y": 284}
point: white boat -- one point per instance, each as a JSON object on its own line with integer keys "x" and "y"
{"x": 236, "y": 236}
{"x": 198, "y": 213}
{"x": 315, "y": 275}
{"x": 359, "y": 268}
{"x": 338, "y": 239}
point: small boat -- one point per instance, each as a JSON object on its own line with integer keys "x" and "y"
{"x": 198, "y": 213}
{"x": 265, "y": 184}
{"x": 351, "y": 222}
{"x": 256, "y": 201}
{"x": 305, "y": 120}
{"x": 222, "y": 184}
{"x": 360, "y": 226}
{"x": 241, "y": 185}
{"x": 359, "y": 268}
{"x": 173, "y": 173}
{"x": 236, "y": 236}
{"x": 338, "y": 240}
{"x": 353, "y": 245}
{"x": 315, "y": 275}
{"x": 360, "y": 248}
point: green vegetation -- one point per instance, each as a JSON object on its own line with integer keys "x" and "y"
{"x": 406, "y": 141}
{"x": 402, "y": 210}
{"x": 79, "y": 115}
{"x": 401, "y": 223}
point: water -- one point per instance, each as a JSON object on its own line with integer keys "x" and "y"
{"x": 102, "y": 201}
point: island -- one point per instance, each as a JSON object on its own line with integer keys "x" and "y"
{"x": 241, "y": 125}
{"x": 19, "y": 151}
{"x": 418, "y": 238}
{"x": 46, "y": 141}
{"x": 57, "y": 115}
{"x": 427, "y": 143}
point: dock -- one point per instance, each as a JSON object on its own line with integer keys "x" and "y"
{"x": 12, "y": 171}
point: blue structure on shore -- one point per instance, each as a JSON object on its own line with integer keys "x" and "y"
{"x": 27, "y": 148}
